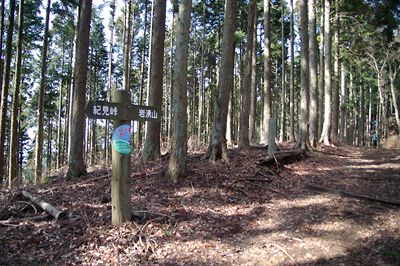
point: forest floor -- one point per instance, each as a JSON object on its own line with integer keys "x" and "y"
{"x": 240, "y": 213}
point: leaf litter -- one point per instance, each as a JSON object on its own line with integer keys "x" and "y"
{"x": 236, "y": 213}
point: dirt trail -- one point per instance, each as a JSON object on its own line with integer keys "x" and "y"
{"x": 236, "y": 214}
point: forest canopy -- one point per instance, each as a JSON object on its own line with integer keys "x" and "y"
{"x": 326, "y": 70}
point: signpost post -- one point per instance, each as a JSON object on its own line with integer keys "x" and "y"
{"x": 271, "y": 136}
{"x": 121, "y": 112}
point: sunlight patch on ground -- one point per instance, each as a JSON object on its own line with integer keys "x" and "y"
{"x": 374, "y": 166}
{"x": 306, "y": 202}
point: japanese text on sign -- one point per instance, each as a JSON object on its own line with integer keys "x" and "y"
{"x": 105, "y": 110}
{"x": 148, "y": 113}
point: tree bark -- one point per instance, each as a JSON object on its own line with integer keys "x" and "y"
{"x": 291, "y": 101}
{"x": 6, "y": 86}
{"x": 142, "y": 72}
{"x": 177, "y": 167}
{"x": 202, "y": 80}
{"x": 361, "y": 129}
{"x": 304, "y": 93}
{"x": 244, "y": 141}
{"x": 40, "y": 129}
{"x": 351, "y": 116}
{"x": 335, "y": 89}
{"x": 313, "y": 74}
{"x": 13, "y": 154}
{"x": 218, "y": 147}
{"x": 283, "y": 77}
{"x": 151, "y": 149}
{"x": 60, "y": 108}
{"x": 392, "y": 76}
{"x": 343, "y": 104}
{"x": 321, "y": 85}
{"x": 253, "y": 95}
{"x": 49, "y": 148}
{"x": 267, "y": 108}
{"x": 76, "y": 164}
{"x": 327, "y": 125}
{"x": 107, "y": 146}
{"x": 127, "y": 44}
{"x": 2, "y": 26}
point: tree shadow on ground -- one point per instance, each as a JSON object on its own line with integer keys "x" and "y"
{"x": 230, "y": 204}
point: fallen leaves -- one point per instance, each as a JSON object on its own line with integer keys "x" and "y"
{"x": 236, "y": 213}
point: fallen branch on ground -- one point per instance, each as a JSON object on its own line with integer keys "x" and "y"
{"x": 348, "y": 194}
{"x": 56, "y": 213}
{"x": 283, "y": 157}
{"x": 14, "y": 221}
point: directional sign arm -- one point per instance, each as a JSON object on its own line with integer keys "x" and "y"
{"x": 107, "y": 110}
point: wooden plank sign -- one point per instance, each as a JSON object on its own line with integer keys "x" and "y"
{"x": 121, "y": 111}
{"x": 108, "y": 110}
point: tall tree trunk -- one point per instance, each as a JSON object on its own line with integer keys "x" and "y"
{"x": 59, "y": 125}
{"x": 230, "y": 124}
{"x": 49, "y": 147}
{"x": 127, "y": 44}
{"x": 321, "y": 85}
{"x": 60, "y": 108}
{"x": 291, "y": 100}
{"x": 283, "y": 77}
{"x": 68, "y": 105}
{"x": 107, "y": 146}
{"x": 313, "y": 74}
{"x": 304, "y": 93}
{"x": 76, "y": 164}
{"x": 171, "y": 74}
{"x": 40, "y": 129}
{"x": 267, "y": 108}
{"x": 343, "y": 103}
{"x": 327, "y": 125}
{"x": 151, "y": 149}
{"x": 2, "y": 26}
{"x": 202, "y": 79}
{"x": 218, "y": 147}
{"x": 177, "y": 167}
{"x": 93, "y": 144}
{"x": 13, "y": 155}
{"x": 370, "y": 104}
{"x": 392, "y": 76}
{"x": 383, "y": 103}
{"x": 6, "y": 86}
{"x": 380, "y": 68}
{"x": 253, "y": 92}
{"x": 350, "y": 128}
{"x": 72, "y": 84}
{"x": 362, "y": 115}
{"x": 335, "y": 89}
{"x": 244, "y": 140}
{"x": 142, "y": 74}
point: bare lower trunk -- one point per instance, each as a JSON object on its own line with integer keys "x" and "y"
{"x": 218, "y": 147}
{"x": 13, "y": 154}
{"x": 327, "y": 125}
{"x": 151, "y": 149}
{"x": 313, "y": 75}
{"x": 177, "y": 166}
{"x": 244, "y": 140}
{"x": 343, "y": 104}
{"x": 76, "y": 164}
{"x": 5, "y": 88}
{"x": 267, "y": 108}
{"x": 304, "y": 113}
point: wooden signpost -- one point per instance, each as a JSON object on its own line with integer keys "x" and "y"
{"x": 121, "y": 111}
{"x": 271, "y": 136}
